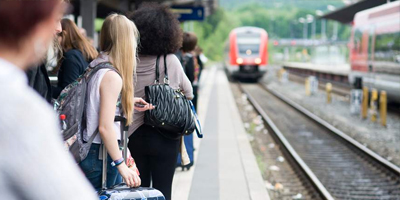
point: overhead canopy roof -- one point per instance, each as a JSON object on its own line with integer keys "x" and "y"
{"x": 346, "y": 14}
{"x": 105, "y": 7}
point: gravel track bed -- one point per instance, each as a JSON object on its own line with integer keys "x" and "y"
{"x": 345, "y": 173}
{"x": 282, "y": 180}
{"x": 385, "y": 141}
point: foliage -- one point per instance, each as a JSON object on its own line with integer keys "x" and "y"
{"x": 279, "y": 23}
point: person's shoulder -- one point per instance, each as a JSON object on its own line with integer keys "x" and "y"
{"x": 73, "y": 54}
{"x": 188, "y": 55}
{"x": 111, "y": 77}
{"x": 26, "y": 110}
{"x": 173, "y": 59}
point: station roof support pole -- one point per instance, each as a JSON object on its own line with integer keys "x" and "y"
{"x": 88, "y": 11}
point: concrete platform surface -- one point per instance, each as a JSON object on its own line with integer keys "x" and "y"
{"x": 225, "y": 166}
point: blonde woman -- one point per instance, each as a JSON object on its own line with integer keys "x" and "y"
{"x": 118, "y": 42}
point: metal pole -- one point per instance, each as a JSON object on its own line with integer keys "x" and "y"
{"x": 291, "y": 29}
{"x": 335, "y": 30}
{"x": 383, "y": 107}
{"x": 364, "y": 111}
{"x": 374, "y": 105}
{"x": 88, "y": 11}
{"x": 328, "y": 88}
{"x": 323, "y": 29}
{"x": 104, "y": 168}
{"x": 305, "y": 30}
{"x": 313, "y": 29}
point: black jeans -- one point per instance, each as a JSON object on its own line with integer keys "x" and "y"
{"x": 155, "y": 157}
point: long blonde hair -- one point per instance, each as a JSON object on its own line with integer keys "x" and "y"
{"x": 119, "y": 38}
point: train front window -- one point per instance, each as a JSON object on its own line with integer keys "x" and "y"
{"x": 249, "y": 44}
{"x": 249, "y": 49}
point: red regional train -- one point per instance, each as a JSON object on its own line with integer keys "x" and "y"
{"x": 375, "y": 49}
{"x": 246, "y": 54}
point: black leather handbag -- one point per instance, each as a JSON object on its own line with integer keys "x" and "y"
{"x": 172, "y": 116}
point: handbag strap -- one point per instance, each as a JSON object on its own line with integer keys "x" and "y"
{"x": 199, "y": 132}
{"x": 157, "y": 70}
{"x": 166, "y": 80}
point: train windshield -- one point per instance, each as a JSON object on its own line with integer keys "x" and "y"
{"x": 249, "y": 44}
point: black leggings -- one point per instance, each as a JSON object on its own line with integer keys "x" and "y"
{"x": 155, "y": 157}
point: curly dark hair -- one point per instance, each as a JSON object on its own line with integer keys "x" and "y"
{"x": 159, "y": 29}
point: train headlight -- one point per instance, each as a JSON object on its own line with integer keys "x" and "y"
{"x": 239, "y": 61}
{"x": 257, "y": 60}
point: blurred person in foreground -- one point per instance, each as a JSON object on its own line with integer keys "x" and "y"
{"x": 33, "y": 162}
{"x": 77, "y": 54}
{"x": 38, "y": 77}
{"x": 160, "y": 34}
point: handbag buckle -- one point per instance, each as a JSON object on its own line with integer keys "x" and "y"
{"x": 166, "y": 81}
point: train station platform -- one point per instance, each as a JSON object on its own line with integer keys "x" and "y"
{"x": 339, "y": 69}
{"x": 225, "y": 166}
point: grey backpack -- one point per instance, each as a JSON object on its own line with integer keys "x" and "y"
{"x": 70, "y": 106}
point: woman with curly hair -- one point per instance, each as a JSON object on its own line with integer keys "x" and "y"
{"x": 160, "y": 34}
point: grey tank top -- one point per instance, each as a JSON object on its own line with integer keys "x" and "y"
{"x": 93, "y": 108}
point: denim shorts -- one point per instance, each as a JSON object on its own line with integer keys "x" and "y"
{"x": 92, "y": 166}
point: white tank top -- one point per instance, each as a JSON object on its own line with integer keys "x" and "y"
{"x": 93, "y": 108}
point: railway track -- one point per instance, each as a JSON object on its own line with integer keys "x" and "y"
{"x": 337, "y": 166}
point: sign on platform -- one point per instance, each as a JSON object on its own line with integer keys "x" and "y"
{"x": 189, "y": 13}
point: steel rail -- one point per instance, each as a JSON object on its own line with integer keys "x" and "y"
{"x": 374, "y": 156}
{"x": 320, "y": 188}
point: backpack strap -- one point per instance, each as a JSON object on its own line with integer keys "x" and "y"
{"x": 91, "y": 73}
{"x": 104, "y": 65}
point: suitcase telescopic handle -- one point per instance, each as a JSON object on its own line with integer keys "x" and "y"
{"x": 124, "y": 142}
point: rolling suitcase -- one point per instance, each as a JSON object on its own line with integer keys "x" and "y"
{"x": 122, "y": 191}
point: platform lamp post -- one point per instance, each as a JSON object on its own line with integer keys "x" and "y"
{"x": 310, "y": 19}
{"x": 304, "y": 22}
{"x": 323, "y": 24}
{"x": 335, "y": 24}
